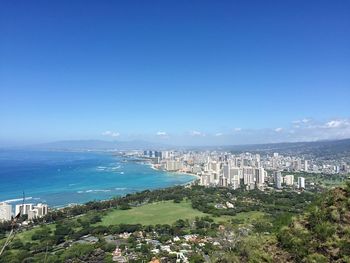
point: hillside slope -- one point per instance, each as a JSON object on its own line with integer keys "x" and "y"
{"x": 322, "y": 234}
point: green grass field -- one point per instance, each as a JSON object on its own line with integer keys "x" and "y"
{"x": 151, "y": 214}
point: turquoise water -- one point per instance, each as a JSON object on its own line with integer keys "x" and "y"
{"x": 62, "y": 178}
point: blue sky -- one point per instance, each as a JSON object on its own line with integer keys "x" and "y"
{"x": 185, "y": 72}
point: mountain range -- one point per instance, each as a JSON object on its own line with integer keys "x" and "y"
{"x": 330, "y": 148}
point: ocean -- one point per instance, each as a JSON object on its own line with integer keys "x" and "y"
{"x": 63, "y": 178}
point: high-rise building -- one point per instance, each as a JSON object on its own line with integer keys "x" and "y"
{"x": 165, "y": 155}
{"x": 38, "y": 210}
{"x": 297, "y": 165}
{"x": 248, "y": 175}
{"x": 205, "y": 180}
{"x": 278, "y": 180}
{"x": 235, "y": 181}
{"x": 306, "y": 166}
{"x": 24, "y": 209}
{"x": 158, "y": 154}
{"x": 301, "y": 182}
{"x": 5, "y": 211}
{"x": 42, "y": 209}
{"x": 223, "y": 181}
{"x": 172, "y": 165}
{"x": 226, "y": 170}
{"x": 288, "y": 179}
{"x": 336, "y": 169}
{"x": 260, "y": 176}
{"x": 235, "y": 175}
{"x": 215, "y": 166}
{"x": 214, "y": 178}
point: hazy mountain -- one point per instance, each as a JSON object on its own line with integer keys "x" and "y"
{"x": 326, "y": 149}
{"x": 329, "y": 148}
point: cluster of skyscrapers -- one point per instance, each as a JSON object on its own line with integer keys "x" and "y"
{"x": 287, "y": 180}
{"x": 224, "y": 169}
{"x": 230, "y": 174}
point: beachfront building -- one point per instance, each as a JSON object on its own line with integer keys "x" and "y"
{"x": 173, "y": 165}
{"x": 33, "y": 211}
{"x": 23, "y": 209}
{"x": 5, "y": 211}
{"x": 38, "y": 210}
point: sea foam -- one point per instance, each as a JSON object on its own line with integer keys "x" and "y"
{"x": 18, "y": 199}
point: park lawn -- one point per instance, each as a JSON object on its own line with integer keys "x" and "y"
{"x": 166, "y": 212}
{"x": 26, "y": 236}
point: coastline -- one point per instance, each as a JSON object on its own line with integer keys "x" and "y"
{"x": 188, "y": 184}
{"x": 153, "y": 166}
{"x": 77, "y": 193}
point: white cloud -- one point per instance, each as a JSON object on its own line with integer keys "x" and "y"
{"x": 311, "y": 130}
{"x": 111, "y": 133}
{"x": 218, "y": 134}
{"x": 302, "y": 121}
{"x": 162, "y": 134}
{"x": 305, "y": 120}
{"x": 278, "y": 129}
{"x": 337, "y": 124}
{"x": 237, "y": 129}
{"x": 197, "y": 133}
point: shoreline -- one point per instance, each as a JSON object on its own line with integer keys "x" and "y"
{"x": 153, "y": 166}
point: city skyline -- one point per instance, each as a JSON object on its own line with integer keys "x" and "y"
{"x": 179, "y": 73}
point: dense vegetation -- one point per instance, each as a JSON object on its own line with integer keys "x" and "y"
{"x": 322, "y": 234}
{"x": 229, "y": 226}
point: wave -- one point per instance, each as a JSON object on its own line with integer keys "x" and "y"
{"x": 102, "y": 190}
{"x": 94, "y": 191}
{"x": 120, "y": 188}
{"x": 108, "y": 169}
{"x": 19, "y": 199}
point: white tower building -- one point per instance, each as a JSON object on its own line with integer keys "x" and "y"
{"x": 301, "y": 182}
{"x": 25, "y": 208}
{"x": 5, "y": 211}
{"x": 306, "y": 166}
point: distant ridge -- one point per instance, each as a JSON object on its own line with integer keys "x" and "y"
{"x": 325, "y": 148}
{"x": 337, "y": 148}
